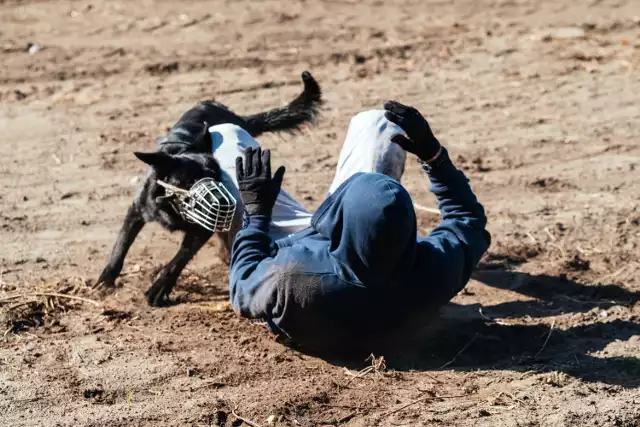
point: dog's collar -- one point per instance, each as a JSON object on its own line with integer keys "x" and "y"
{"x": 163, "y": 140}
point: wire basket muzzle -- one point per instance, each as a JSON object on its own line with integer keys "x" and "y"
{"x": 210, "y": 205}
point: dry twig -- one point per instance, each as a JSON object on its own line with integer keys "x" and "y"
{"x": 533, "y": 239}
{"x": 244, "y": 420}
{"x": 490, "y": 319}
{"x": 432, "y": 377}
{"x": 213, "y": 384}
{"x": 547, "y": 340}
{"x": 57, "y": 295}
{"x": 460, "y": 352}
{"x": 377, "y": 365}
{"x": 551, "y": 236}
{"x": 405, "y": 406}
{"x": 422, "y": 399}
{"x": 340, "y": 420}
{"x": 9, "y": 298}
{"x": 612, "y": 275}
{"x": 51, "y": 294}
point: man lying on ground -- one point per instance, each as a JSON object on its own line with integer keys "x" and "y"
{"x": 360, "y": 269}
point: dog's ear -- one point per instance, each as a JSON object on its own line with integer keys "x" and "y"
{"x": 203, "y": 143}
{"x": 158, "y": 160}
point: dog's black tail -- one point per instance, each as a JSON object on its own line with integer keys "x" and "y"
{"x": 301, "y": 110}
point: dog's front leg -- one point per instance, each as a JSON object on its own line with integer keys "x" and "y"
{"x": 158, "y": 294}
{"x": 133, "y": 223}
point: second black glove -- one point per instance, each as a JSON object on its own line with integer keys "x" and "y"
{"x": 421, "y": 140}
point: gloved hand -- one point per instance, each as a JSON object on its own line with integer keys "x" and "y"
{"x": 258, "y": 189}
{"x": 421, "y": 140}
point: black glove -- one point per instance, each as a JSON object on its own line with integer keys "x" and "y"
{"x": 421, "y": 141}
{"x": 257, "y": 188}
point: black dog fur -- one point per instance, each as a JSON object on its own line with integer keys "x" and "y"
{"x": 183, "y": 157}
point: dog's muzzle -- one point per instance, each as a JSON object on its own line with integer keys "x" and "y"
{"x": 207, "y": 203}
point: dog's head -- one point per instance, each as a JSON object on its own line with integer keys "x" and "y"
{"x": 180, "y": 168}
{"x": 183, "y": 168}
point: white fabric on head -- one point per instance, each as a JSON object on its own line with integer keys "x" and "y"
{"x": 229, "y": 142}
{"x": 367, "y": 148}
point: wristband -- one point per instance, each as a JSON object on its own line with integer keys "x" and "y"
{"x": 434, "y": 158}
{"x": 435, "y": 161}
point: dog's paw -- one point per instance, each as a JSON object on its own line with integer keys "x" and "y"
{"x": 158, "y": 294}
{"x": 107, "y": 277}
{"x": 157, "y": 299}
{"x": 104, "y": 286}
{"x": 100, "y": 290}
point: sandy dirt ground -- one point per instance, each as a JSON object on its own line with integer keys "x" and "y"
{"x": 537, "y": 100}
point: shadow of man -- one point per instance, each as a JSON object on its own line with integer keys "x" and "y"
{"x": 463, "y": 338}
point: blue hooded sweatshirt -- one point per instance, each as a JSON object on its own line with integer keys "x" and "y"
{"x": 360, "y": 269}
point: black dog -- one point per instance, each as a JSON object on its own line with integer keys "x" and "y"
{"x": 183, "y": 157}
